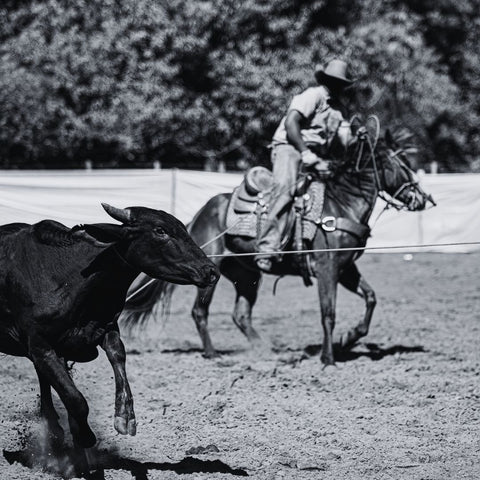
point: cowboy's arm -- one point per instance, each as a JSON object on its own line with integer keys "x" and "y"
{"x": 292, "y": 126}
{"x": 294, "y": 136}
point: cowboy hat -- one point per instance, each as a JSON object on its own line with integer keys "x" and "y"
{"x": 335, "y": 70}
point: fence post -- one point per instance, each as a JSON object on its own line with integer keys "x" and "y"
{"x": 421, "y": 176}
{"x": 173, "y": 191}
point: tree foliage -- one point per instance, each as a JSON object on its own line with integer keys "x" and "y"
{"x": 118, "y": 81}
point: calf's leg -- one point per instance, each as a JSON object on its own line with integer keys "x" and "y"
{"x": 47, "y": 411}
{"x": 53, "y": 371}
{"x": 124, "y": 421}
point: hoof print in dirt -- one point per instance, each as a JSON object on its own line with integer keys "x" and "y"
{"x": 202, "y": 450}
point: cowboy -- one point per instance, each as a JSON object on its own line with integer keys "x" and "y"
{"x": 311, "y": 121}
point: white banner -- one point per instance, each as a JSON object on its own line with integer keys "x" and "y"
{"x": 74, "y": 196}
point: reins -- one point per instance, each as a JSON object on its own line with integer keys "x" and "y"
{"x": 391, "y": 201}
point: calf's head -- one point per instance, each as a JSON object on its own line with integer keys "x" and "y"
{"x": 157, "y": 244}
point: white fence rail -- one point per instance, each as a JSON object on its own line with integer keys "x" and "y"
{"x": 74, "y": 196}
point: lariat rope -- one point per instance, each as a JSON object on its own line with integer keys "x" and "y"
{"x": 318, "y": 250}
{"x": 343, "y": 249}
{"x": 220, "y": 235}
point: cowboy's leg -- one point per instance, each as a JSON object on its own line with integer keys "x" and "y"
{"x": 285, "y": 160}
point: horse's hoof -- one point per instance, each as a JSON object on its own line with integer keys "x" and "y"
{"x": 329, "y": 366}
{"x": 211, "y": 354}
{"x": 327, "y": 361}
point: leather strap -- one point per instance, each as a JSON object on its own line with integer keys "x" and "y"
{"x": 330, "y": 224}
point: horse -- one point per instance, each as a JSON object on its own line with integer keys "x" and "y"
{"x": 351, "y": 196}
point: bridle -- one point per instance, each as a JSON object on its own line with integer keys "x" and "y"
{"x": 410, "y": 188}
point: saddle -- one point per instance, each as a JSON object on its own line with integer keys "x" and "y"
{"x": 248, "y": 208}
{"x": 249, "y": 205}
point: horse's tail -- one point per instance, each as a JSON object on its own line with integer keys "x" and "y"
{"x": 151, "y": 300}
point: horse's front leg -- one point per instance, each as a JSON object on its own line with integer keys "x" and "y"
{"x": 200, "y": 316}
{"x": 353, "y": 280}
{"x": 124, "y": 421}
{"x": 327, "y": 278}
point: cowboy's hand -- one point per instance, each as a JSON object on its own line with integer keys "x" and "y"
{"x": 362, "y": 133}
{"x": 323, "y": 165}
{"x": 309, "y": 158}
{"x": 323, "y": 169}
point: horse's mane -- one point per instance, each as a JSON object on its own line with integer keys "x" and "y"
{"x": 404, "y": 139}
{"x": 349, "y": 182}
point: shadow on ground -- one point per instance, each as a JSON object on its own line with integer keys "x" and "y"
{"x": 181, "y": 351}
{"x": 101, "y": 460}
{"x": 373, "y": 351}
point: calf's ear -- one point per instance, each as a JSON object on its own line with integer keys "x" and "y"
{"x": 103, "y": 232}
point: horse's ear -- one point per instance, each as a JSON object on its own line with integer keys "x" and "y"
{"x": 389, "y": 138}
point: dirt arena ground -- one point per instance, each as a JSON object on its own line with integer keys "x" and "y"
{"x": 403, "y": 404}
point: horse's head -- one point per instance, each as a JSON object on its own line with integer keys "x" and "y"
{"x": 396, "y": 178}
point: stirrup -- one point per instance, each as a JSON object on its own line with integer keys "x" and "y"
{"x": 264, "y": 264}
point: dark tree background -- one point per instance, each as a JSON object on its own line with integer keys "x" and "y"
{"x": 185, "y": 82}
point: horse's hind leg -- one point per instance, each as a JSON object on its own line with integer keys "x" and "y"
{"x": 246, "y": 284}
{"x": 200, "y": 315}
{"x": 353, "y": 280}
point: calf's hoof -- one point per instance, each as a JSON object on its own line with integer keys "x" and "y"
{"x": 125, "y": 427}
